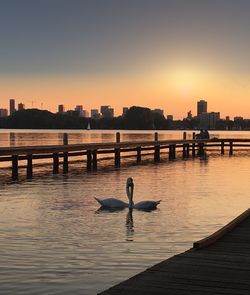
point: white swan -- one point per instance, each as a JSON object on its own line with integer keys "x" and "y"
{"x": 113, "y": 203}
{"x": 143, "y": 205}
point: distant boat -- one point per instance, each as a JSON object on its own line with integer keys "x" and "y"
{"x": 88, "y": 127}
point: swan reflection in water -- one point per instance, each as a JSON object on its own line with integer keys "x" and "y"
{"x": 113, "y": 203}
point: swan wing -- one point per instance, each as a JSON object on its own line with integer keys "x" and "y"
{"x": 112, "y": 203}
{"x": 147, "y": 205}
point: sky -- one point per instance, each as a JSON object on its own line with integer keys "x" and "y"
{"x": 164, "y": 54}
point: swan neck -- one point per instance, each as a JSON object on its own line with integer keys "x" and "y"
{"x": 130, "y": 189}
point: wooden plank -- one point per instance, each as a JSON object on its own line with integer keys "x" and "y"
{"x": 221, "y": 232}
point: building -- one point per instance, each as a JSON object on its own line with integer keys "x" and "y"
{"x": 95, "y": 114}
{"x": 61, "y": 109}
{"x": 201, "y": 107}
{"x": 12, "y": 106}
{"x": 227, "y": 118}
{"x": 3, "y": 112}
{"x": 158, "y": 111}
{"x": 79, "y": 110}
{"x": 170, "y": 117}
{"x": 124, "y": 110}
{"x": 21, "y": 107}
{"x": 238, "y": 118}
{"x": 189, "y": 115}
{"x": 209, "y": 120}
{"x": 107, "y": 112}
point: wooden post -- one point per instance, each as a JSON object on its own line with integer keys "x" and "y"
{"x": 184, "y": 135}
{"x": 118, "y": 137}
{"x": 170, "y": 152}
{"x": 94, "y": 154}
{"x": 117, "y": 158}
{"x": 65, "y": 154}
{"x": 231, "y": 148}
{"x": 55, "y": 163}
{"x": 65, "y": 138}
{"x": 187, "y": 150}
{"x": 29, "y": 167}
{"x": 89, "y": 160}
{"x": 15, "y": 167}
{"x": 138, "y": 157}
{"x": 184, "y": 151}
{"x": 65, "y": 163}
{"x": 156, "y": 136}
{"x": 193, "y": 145}
{"x": 222, "y": 147}
{"x": 157, "y": 153}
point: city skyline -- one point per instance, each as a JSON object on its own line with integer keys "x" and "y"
{"x": 159, "y": 54}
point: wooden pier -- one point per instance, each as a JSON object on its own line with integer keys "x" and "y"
{"x": 161, "y": 149}
{"x": 219, "y": 264}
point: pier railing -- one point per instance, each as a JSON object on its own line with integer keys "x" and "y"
{"x": 89, "y": 152}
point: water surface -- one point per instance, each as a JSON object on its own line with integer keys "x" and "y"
{"x": 53, "y": 239}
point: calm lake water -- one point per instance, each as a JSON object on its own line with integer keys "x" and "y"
{"x": 53, "y": 239}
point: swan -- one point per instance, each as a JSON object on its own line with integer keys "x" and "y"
{"x": 143, "y": 205}
{"x": 113, "y": 203}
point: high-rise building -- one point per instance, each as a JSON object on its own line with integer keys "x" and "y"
{"x": 107, "y": 112}
{"x": 12, "y": 106}
{"x": 79, "y": 110}
{"x": 61, "y": 109}
{"x": 158, "y": 111}
{"x": 209, "y": 120}
{"x": 20, "y": 106}
{"x": 95, "y": 114}
{"x": 201, "y": 107}
{"x": 124, "y": 110}
{"x": 3, "y": 112}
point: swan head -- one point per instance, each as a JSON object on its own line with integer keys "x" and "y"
{"x": 130, "y": 190}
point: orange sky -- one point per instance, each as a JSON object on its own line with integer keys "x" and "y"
{"x": 175, "y": 91}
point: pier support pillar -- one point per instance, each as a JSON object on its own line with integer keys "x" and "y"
{"x": 29, "y": 167}
{"x": 118, "y": 137}
{"x": 65, "y": 163}
{"x": 156, "y": 137}
{"x": 222, "y": 150}
{"x": 138, "y": 156}
{"x": 157, "y": 154}
{"x": 15, "y": 167}
{"x": 89, "y": 160}
{"x": 231, "y": 148}
{"x": 187, "y": 150}
{"x": 94, "y": 155}
{"x": 55, "y": 163}
{"x": 117, "y": 158}
{"x": 193, "y": 145}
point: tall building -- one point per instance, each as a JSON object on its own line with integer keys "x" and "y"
{"x": 209, "y": 120}
{"x": 20, "y": 106}
{"x": 61, "y": 109}
{"x": 201, "y": 107}
{"x": 107, "y": 112}
{"x": 79, "y": 110}
{"x": 158, "y": 111}
{"x": 124, "y": 110}
{"x": 12, "y": 106}
{"x": 95, "y": 114}
{"x": 170, "y": 117}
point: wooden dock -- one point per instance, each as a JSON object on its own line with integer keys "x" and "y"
{"x": 89, "y": 152}
{"x": 219, "y": 264}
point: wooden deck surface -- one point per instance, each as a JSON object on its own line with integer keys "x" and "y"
{"x": 222, "y": 267}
